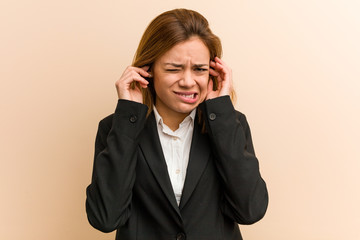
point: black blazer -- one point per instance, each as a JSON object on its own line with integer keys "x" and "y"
{"x": 131, "y": 190}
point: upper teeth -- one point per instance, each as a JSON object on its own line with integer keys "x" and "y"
{"x": 188, "y": 96}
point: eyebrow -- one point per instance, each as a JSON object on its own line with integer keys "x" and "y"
{"x": 182, "y": 65}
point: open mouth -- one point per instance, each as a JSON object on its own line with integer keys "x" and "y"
{"x": 190, "y": 96}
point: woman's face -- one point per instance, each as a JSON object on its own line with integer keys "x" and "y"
{"x": 181, "y": 77}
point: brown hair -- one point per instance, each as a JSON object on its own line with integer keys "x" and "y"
{"x": 163, "y": 33}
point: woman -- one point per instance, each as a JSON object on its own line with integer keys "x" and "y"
{"x": 175, "y": 160}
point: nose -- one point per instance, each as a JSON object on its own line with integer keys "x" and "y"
{"x": 187, "y": 80}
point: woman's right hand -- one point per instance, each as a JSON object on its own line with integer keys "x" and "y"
{"x": 128, "y": 84}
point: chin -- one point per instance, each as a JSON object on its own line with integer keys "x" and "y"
{"x": 187, "y": 109}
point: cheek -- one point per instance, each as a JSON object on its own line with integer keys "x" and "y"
{"x": 165, "y": 80}
{"x": 158, "y": 82}
{"x": 162, "y": 83}
{"x": 203, "y": 83}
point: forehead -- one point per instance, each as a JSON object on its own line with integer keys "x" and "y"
{"x": 193, "y": 50}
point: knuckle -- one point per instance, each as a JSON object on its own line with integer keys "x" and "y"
{"x": 130, "y": 69}
{"x": 134, "y": 75}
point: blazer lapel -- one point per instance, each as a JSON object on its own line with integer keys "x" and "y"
{"x": 199, "y": 157}
{"x": 151, "y": 148}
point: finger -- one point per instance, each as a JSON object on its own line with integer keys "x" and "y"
{"x": 144, "y": 71}
{"x": 226, "y": 69}
{"x": 141, "y": 71}
{"x": 126, "y": 83}
{"x": 143, "y": 85}
{"x": 140, "y": 80}
{"x": 216, "y": 65}
{"x": 140, "y": 85}
{"x": 219, "y": 60}
{"x": 145, "y": 68}
{"x": 135, "y": 76}
{"x": 214, "y": 73}
{"x": 219, "y": 66}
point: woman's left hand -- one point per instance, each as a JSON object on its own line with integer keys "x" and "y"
{"x": 223, "y": 73}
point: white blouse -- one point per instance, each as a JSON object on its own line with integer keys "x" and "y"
{"x": 176, "y": 148}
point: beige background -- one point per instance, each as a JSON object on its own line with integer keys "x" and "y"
{"x": 296, "y": 71}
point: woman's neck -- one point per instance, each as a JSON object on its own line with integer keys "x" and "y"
{"x": 170, "y": 118}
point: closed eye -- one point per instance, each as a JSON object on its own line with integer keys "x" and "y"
{"x": 201, "y": 69}
{"x": 172, "y": 70}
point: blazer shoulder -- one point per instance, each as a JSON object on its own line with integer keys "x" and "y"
{"x": 106, "y": 123}
{"x": 242, "y": 118}
{"x": 240, "y": 115}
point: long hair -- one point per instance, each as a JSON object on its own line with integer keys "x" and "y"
{"x": 163, "y": 33}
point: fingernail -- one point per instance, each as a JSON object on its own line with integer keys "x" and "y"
{"x": 150, "y": 75}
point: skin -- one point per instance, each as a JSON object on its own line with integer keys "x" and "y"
{"x": 181, "y": 80}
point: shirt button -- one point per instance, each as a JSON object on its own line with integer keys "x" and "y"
{"x": 174, "y": 138}
{"x": 180, "y": 236}
{"x": 212, "y": 116}
{"x": 133, "y": 118}
{"x": 177, "y": 171}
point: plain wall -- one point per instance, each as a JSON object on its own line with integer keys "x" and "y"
{"x": 296, "y": 68}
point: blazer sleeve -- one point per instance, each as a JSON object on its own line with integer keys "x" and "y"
{"x": 245, "y": 193}
{"x": 108, "y": 197}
